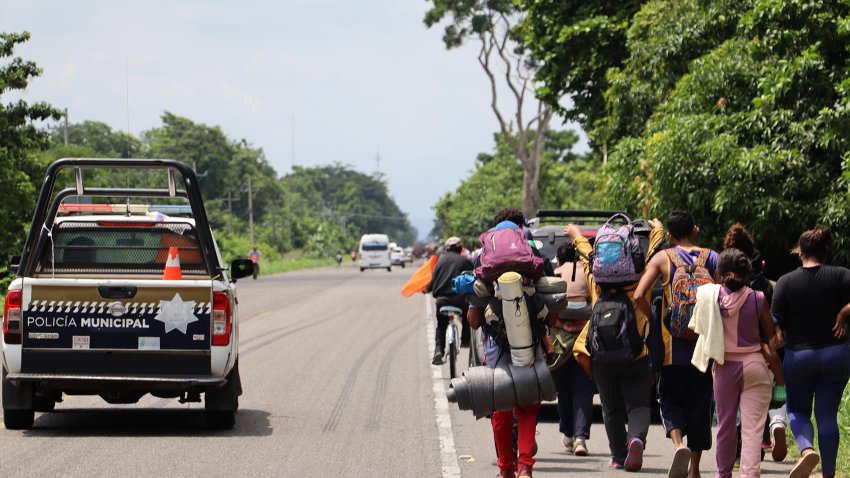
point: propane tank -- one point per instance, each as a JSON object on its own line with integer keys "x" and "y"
{"x": 515, "y": 315}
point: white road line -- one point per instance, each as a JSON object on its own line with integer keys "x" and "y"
{"x": 448, "y": 453}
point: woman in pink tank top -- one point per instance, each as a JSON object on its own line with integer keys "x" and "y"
{"x": 743, "y": 380}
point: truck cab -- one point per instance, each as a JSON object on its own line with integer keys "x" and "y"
{"x": 121, "y": 292}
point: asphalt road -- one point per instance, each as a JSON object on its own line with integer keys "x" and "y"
{"x": 337, "y": 378}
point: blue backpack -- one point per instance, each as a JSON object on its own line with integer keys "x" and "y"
{"x": 463, "y": 284}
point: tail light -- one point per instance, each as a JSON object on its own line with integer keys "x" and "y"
{"x": 12, "y": 317}
{"x": 221, "y": 322}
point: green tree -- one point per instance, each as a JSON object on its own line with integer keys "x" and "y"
{"x": 332, "y": 206}
{"x": 744, "y": 116}
{"x": 99, "y": 137}
{"x": 491, "y": 23}
{"x": 20, "y": 170}
{"x": 576, "y": 42}
{"x": 567, "y": 181}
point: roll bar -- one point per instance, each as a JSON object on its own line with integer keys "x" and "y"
{"x": 46, "y": 209}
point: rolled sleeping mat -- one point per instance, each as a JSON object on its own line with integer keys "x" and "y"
{"x": 482, "y": 395}
{"x": 515, "y": 316}
{"x": 482, "y": 289}
{"x": 575, "y": 311}
{"x": 525, "y": 384}
{"x": 550, "y": 285}
{"x": 546, "y": 383}
{"x": 555, "y": 302}
{"x": 485, "y": 390}
{"x": 504, "y": 393}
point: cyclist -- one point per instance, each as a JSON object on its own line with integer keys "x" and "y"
{"x": 255, "y": 258}
{"x": 449, "y": 265}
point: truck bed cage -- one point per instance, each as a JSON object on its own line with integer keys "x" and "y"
{"x": 577, "y": 216}
{"x": 46, "y": 209}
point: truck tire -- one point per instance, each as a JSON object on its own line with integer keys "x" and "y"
{"x": 18, "y": 411}
{"x": 18, "y": 419}
{"x": 221, "y": 404}
{"x": 221, "y": 420}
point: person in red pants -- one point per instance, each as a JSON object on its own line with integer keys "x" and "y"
{"x": 512, "y": 463}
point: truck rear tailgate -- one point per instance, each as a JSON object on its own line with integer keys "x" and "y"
{"x": 116, "y": 326}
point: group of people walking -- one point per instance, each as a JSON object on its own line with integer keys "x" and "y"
{"x": 725, "y": 343}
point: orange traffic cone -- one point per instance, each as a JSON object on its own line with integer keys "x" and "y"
{"x": 172, "y": 265}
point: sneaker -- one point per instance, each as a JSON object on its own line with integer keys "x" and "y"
{"x": 524, "y": 471}
{"x": 568, "y": 443}
{"x": 634, "y": 458}
{"x": 506, "y": 474}
{"x": 777, "y": 440}
{"x": 580, "y": 447}
{"x": 438, "y": 358}
{"x": 615, "y": 464}
{"x": 681, "y": 460}
{"x": 804, "y": 467}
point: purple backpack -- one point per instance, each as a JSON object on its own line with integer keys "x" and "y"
{"x": 617, "y": 256}
{"x": 507, "y": 250}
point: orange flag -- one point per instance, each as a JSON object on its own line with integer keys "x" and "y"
{"x": 420, "y": 280}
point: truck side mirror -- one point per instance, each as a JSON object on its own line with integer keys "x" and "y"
{"x": 14, "y": 263}
{"x": 240, "y": 268}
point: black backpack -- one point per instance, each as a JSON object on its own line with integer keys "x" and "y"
{"x": 613, "y": 337}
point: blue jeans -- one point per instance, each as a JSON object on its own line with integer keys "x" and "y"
{"x": 818, "y": 375}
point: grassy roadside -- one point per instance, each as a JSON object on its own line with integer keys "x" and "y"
{"x": 293, "y": 261}
{"x": 842, "y": 465}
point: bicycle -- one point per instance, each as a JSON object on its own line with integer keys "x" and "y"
{"x": 452, "y": 337}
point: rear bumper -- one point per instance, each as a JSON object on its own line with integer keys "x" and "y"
{"x": 126, "y": 382}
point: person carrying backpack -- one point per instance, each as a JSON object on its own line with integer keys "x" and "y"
{"x": 520, "y": 461}
{"x": 684, "y": 392}
{"x": 611, "y": 346}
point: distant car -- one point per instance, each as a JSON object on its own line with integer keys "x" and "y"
{"x": 397, "y": 257}
{"x": 375, "y": 252}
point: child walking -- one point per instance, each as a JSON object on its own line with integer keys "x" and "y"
{"x": 741, "y": 376}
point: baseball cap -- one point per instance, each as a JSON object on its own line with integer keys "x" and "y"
{"x": 452, "y": 241}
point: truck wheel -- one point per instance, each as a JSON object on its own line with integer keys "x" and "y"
{"x": 221, "y": 419}
{"x": 221, "y": 404}
{"x": 389, "y": 269}
{"x": 18, "y": 419}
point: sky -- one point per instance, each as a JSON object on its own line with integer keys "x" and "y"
{"x": 348, "y": 80}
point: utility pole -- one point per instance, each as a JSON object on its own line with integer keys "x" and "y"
{"x": 66, "y": 127}
{"x": 229, "y": 212}
{"x": 378, "y": 160}
{"x": 274, "y": 213}
{"x": 288, "y": 231}
{"x": 251, "y": 210}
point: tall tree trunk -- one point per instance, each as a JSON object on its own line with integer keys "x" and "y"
{"x": 530, "y": 191}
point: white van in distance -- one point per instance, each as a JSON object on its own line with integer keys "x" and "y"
{"x": 375, "y": 252}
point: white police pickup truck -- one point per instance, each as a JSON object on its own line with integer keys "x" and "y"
{"x": 100, "y": 305}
